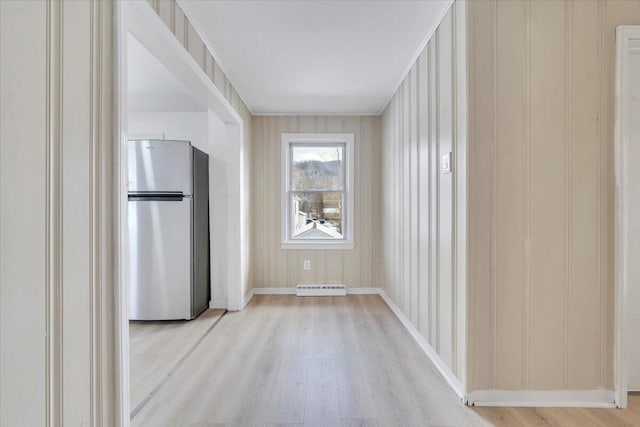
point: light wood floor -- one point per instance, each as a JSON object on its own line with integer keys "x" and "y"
{"x": 155, "y": 348}
{"x": 564, "y": 417}
{"x": 343, "y": 361}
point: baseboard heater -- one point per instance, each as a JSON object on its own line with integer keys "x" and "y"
{"x": 321, "y": 290}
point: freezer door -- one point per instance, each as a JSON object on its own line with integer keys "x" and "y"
{"x": 159, "y": 166}
{"x": 159, "y": 259}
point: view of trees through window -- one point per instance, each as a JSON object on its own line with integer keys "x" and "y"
{"x": 317, "y": 191}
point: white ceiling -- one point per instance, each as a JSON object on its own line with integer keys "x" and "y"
{"x": 329, "y": 57}
{"x": 151, "y": 86}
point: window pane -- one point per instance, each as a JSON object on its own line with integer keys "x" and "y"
{"x": 318, "y": 167}
{"x": 317, "y": 215}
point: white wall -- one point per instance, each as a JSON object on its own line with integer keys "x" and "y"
{"x": 57, "y": 214}
{"x": 186, "y": 126}
{"x": 209, "y": 134}
{"x": 230, "y": 211}
{"x": 423, "y": 222}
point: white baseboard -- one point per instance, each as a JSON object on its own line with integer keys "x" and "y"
{"x": 220, "y": 304}
{"x": 453, "y": 381}
{"x": 274, "y": 291}
{"x": 292, "y": 291}
{"x": 363, "y": 291}
{"x": 247, "y": 298}
{"x": 543, "y": 398}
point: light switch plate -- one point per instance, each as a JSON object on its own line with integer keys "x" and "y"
{"x": 446, "y": 163}
{"x": 306, "y": 264}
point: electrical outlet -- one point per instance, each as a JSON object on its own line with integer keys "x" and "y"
{"x": 306, "y": 264}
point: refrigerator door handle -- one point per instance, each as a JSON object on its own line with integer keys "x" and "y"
{"x": 168, "y": 196}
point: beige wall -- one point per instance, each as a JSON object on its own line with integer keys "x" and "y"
{"x": 56, "y": 215}
{"x": 541, "y": 192}
{"x": 422, "y": 223}
{"x": 274, "y": 267}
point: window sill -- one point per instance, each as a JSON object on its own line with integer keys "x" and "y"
{"x": 318, "y": 245}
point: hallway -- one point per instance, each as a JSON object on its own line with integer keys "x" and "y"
{"x": 329, "y": 361}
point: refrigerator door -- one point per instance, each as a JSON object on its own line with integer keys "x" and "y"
{"x": 159, "y": 259}
{"x": 159, "y": 166}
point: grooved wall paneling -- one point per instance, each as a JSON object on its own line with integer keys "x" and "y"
{"x": 541, "y": 192}
{"x": 56, "y": 217}
{"x": 420, "y": 226}
{"x": 274, "y": 267}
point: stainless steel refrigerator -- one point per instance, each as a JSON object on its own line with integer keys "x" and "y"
{"x": 168, "y": 230}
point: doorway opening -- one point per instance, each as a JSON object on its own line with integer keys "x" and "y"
{"x": 164, "y": 95}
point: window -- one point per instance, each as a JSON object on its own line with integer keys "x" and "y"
{"x": 317, "y": 196}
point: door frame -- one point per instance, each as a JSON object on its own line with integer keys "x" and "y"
{"x": 225, "y": 127}
{"x": 624, "y": 34}
{"x": 121, "y": 292}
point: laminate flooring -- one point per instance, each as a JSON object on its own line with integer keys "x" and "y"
{"x": 564, "y": 417}
{"x": 313, "y": 361}
{"x": 329, "y": 361}
{"x": 156, "y": 347}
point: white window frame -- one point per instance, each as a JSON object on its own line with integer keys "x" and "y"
{"x": 347, "y": 242}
